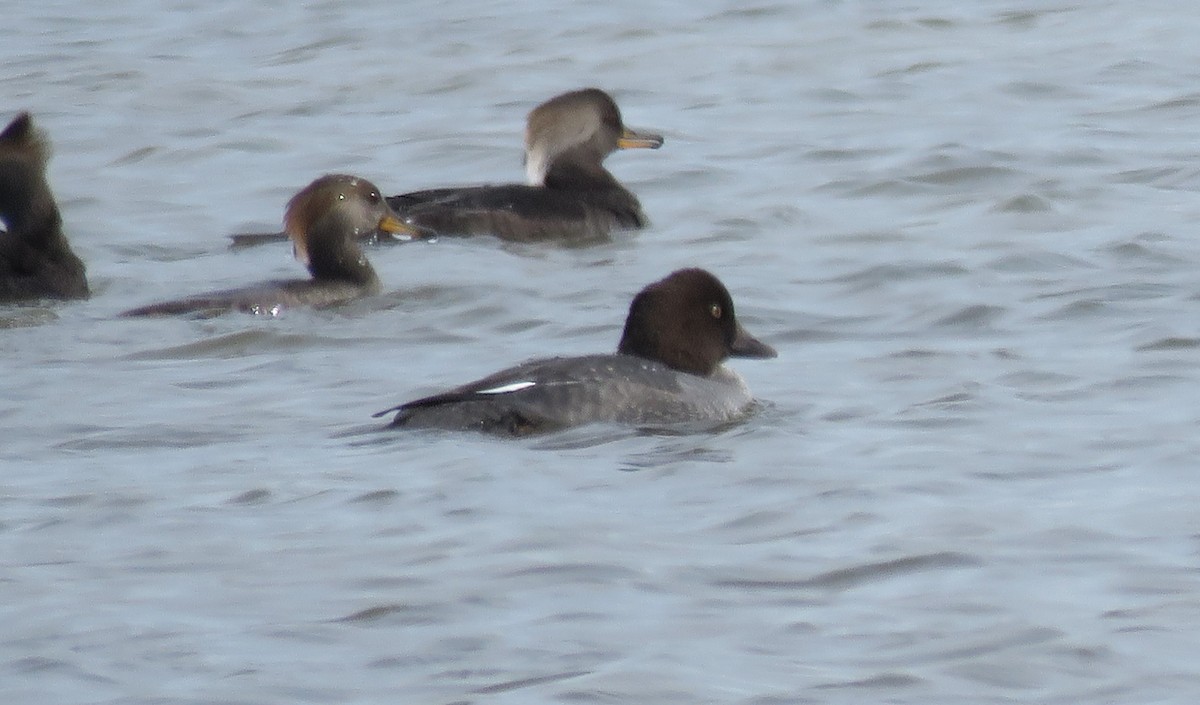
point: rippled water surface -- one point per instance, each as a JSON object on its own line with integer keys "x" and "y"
{"x": 969, "y": 229}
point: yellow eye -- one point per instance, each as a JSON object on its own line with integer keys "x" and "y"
{"x": 715, "y": 310}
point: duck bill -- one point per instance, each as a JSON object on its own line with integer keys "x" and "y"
{"x": 746, "y": 345}
{"x": 392, "y": 224}
{"x": 639, "y": 140}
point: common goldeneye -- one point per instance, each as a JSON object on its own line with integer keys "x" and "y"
{"x": 666, "y": 371}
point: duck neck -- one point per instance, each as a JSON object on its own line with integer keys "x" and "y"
{"x": 334, "y": 254}
{"x": 36, "y": 221}
{"x": 579, "y": 169}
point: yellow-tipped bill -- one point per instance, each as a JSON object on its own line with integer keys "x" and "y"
{"x": 392, "y": 224}
{"x": 639, "y": 140}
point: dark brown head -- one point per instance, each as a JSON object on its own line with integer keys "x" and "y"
{"x": 327, "y": 218}
{"x": 583, "y": 126}
{"x": 26, "y": 204}
{"x": 22, "y": 140}
{"x": 687, "y": 322}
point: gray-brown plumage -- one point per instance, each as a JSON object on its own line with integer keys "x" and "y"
{"x": 667, "y": 371}
{"x": 36, "y": 260}
{"x": 569, "y": 196}
{"x": 326, "y": 220}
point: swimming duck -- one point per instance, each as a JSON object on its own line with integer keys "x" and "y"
{"x": 666, "y": 371}
{"x": 35, "y": 259}
{"x": 325, "y": 221}
{"x": 569, "y": 196}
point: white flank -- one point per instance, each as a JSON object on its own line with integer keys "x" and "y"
{"x": 507, "y": 388}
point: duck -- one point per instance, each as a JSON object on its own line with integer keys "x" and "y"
{"x": 325, "y": 221}
{"x": 36, "y": 261}
{"x": 666, "y": 372}
{"x": 569, "y": 196}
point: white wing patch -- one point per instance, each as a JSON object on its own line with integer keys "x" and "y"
{"x": 507, "y": 388}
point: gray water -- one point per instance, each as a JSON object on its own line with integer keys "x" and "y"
{"x": 969, "y": 229}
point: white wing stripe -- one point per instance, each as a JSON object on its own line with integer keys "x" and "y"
{"x": 507, "y": 388}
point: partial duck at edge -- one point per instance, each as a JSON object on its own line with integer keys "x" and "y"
{"x": 36, "y": 261}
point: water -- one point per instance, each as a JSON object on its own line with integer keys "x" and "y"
{"x": 968, "y": 229}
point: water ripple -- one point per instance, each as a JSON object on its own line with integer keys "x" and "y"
{"x": 854, "y": 576}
